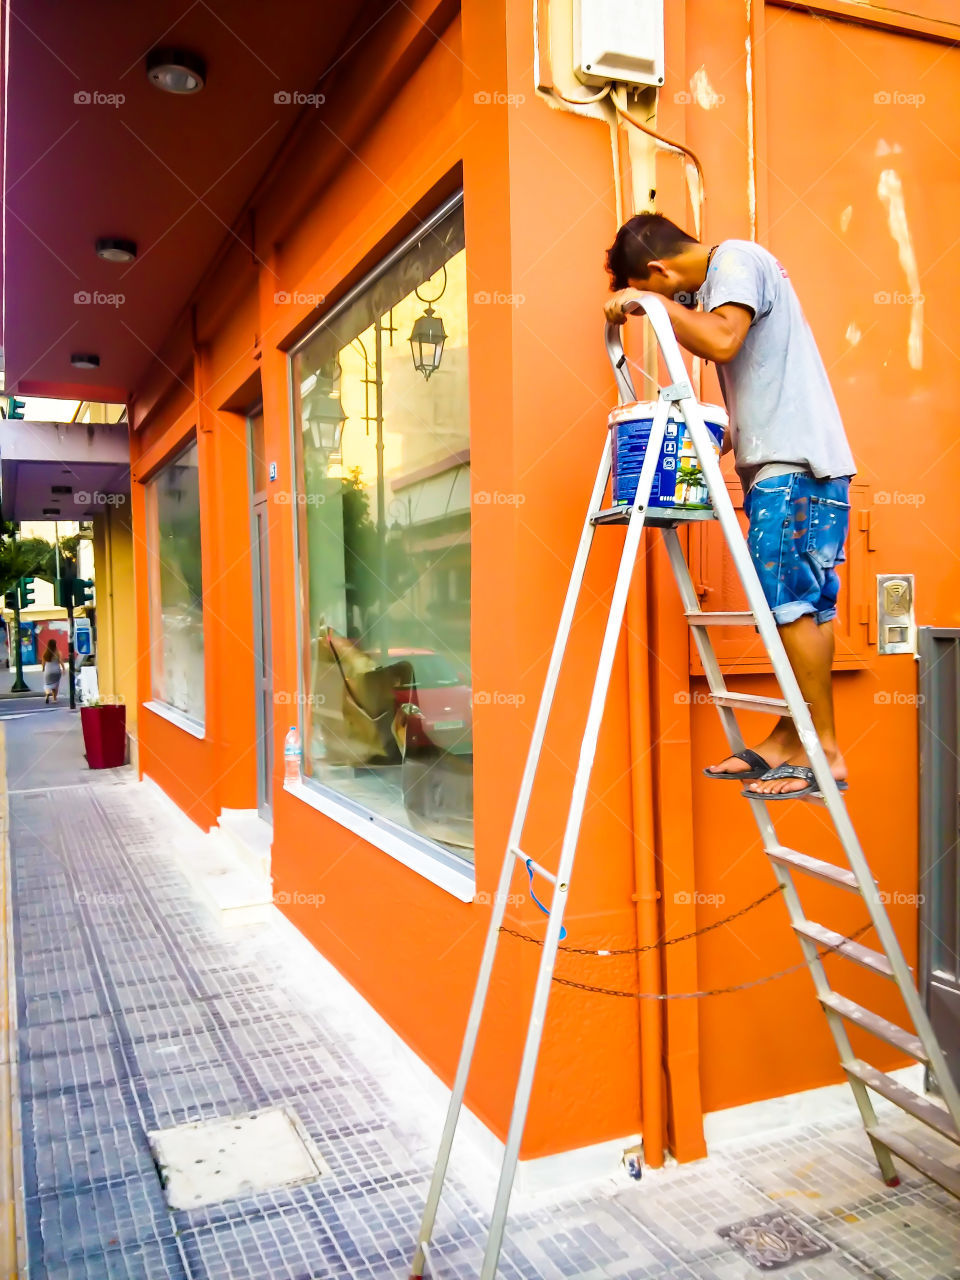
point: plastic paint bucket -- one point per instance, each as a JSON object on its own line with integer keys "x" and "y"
{"x": 678, "y": 482}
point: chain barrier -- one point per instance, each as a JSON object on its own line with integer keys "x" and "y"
{"x": 650, "y": 946}
{"x": 688, "y": 995}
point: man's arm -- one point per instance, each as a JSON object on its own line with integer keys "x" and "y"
{"x": 713, "y": 335}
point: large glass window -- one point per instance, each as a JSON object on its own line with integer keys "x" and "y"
{"x": 382, "y": 442}
{"x": 176, "y": 585}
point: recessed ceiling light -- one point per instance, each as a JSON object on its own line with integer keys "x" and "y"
{"x": 81, "y": 361}
{"x": 61, "y": 488}
{"x": 51, "y": 511}
{"x": 176, "y": 70}
{"x": 113, "y": 249}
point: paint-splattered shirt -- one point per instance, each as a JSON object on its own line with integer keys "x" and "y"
{"x": 781, "y": 405}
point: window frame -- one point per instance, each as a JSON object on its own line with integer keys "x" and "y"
{"x": 166, "y": 710}
{"x": 429, "y": 859}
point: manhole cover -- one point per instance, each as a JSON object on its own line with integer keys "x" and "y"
{"x": 215, "y": 1160}
{"x": 773, "y": 1240}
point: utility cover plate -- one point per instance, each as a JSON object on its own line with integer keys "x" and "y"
{"x": 215, "y": 1160}
{"x": 774, "y": 1240}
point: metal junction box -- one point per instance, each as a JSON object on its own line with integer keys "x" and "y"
{"x": 896, "y": 627}
{"x": 618, "y": 40}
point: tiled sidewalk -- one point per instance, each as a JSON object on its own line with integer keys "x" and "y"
{"x": 136, "y": 1014}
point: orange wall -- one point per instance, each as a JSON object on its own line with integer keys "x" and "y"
{"x": 539, "y": 209}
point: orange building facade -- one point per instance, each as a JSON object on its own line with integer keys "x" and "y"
{"x": 286, "y": 447}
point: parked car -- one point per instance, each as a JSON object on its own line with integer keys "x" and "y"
{"x": 436, "y": 709}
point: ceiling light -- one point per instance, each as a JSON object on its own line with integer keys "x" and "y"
{"x": 112, "y": 249}
{"x": 81, "y": 361}
{"x": 176, "y": 70}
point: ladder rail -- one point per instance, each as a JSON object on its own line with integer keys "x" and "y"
{"x": 588, "y": 747}
{"x": 656, "y": 313}
{"x": 498, "y": 914}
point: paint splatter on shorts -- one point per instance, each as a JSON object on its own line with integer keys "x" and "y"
{"x": 798, "y": 526}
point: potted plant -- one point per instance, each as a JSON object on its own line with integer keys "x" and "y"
{"x": 104, "y": 723}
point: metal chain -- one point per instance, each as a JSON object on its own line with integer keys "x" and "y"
{"x": 715, "y": 991}
{"x": 650, "y": 946}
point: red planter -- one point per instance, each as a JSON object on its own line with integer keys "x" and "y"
{"x": 104, "y": 735}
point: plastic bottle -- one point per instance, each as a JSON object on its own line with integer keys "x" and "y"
{"x": 291, "y": 754}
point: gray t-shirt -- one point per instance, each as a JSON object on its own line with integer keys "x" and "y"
{"x": 781, "y": 406}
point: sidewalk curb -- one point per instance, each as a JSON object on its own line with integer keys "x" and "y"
{"x": 13, "y": 1249}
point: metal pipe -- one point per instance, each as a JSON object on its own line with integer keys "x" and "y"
{"x": 645, "y": 871}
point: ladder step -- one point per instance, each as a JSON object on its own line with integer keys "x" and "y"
{"x": 877, "y": 1026}
{"x": 814, "y": 867}
{"x": 934, "y": 1169}
{"x": 751, "y": 702}
{"x": 699, "y": 618}
{"x": 931, "y": 1113}
{"x": 541, "y": 871}
{"x": 843, "y": 946}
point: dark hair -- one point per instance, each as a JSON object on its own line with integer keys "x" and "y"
{"x": 644, "y": 238}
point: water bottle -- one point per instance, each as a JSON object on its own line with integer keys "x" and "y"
{"x": 291, "y": 754}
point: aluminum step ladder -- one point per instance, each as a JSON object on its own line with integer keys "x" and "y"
{"x": 788, "y": 864}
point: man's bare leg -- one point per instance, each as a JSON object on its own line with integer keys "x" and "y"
{"x": 809, "y": 647}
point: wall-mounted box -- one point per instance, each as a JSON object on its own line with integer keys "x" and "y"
{"x": 618, "y": 40}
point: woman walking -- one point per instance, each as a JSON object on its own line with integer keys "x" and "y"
{"x": 52, "y": 670}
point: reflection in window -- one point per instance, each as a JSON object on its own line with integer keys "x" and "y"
{"x": 176, "y": 586}
{"x": 384, "y": 534}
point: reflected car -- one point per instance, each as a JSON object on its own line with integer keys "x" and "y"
{"x": 436, "y": 710}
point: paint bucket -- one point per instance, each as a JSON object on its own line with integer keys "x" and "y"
{"x": 678, "y": 482}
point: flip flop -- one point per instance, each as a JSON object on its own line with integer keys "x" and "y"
{"x": 758, "y": 767}
{"x": 810, "y": 791}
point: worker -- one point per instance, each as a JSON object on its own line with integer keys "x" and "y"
{"x": 790, "y": 451}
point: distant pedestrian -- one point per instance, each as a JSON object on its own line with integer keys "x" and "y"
{"x": 52, "y": 671}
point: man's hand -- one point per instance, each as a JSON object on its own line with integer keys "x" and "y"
{"x": 613, "y": 307}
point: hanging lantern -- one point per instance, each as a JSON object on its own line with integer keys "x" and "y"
{"x": 426, "y": 342}
{"x": 323, "y": 413}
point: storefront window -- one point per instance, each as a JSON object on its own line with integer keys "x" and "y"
{"x": 176, "y": 587}
{"x": 383, "y": 506}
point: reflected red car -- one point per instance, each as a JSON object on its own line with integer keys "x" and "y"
{"x": 436, "y": 709}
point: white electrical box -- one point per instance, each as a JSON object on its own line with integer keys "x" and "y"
{"x": 618, "y": 40}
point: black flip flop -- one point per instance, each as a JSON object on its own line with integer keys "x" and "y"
{"x": 758, "y": 767}
{"x": 810, "y": 791}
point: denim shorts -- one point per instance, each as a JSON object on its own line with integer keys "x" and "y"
{"x": 798, "y": 526}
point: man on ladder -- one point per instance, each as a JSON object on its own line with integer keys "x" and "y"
{"x": 790, "y": 449}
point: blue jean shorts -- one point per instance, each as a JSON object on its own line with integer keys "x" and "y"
{"x": 798, "y": 526}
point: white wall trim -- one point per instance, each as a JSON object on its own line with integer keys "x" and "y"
{"x": 458, "y": 881}
{"x": 165, "y": 712}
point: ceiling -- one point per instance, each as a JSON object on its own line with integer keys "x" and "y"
{"x": 171, "y": 173}
{"x": 63, "y": 470}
